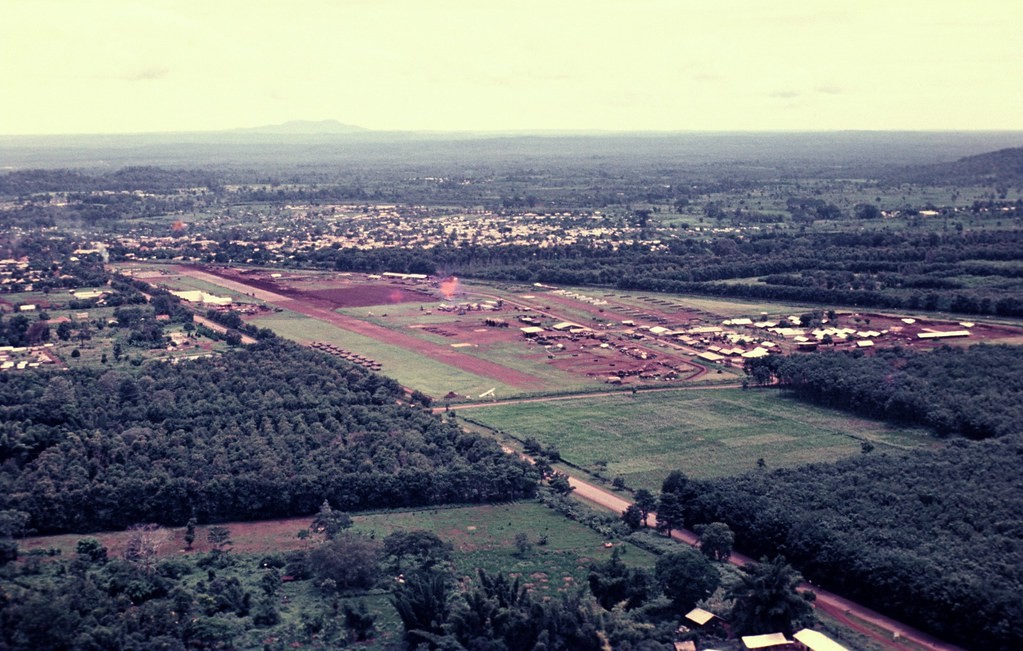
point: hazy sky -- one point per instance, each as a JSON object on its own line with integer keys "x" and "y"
{"x": 100, "y": 66}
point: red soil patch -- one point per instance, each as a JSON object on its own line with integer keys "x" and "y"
{"x": 367, "y": 295}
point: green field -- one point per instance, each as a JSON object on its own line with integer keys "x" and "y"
{"x": 484, "y": 538}
{"x": 705, "y": 433}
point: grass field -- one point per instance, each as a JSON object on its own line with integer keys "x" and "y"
{"x": 705, "y": 433}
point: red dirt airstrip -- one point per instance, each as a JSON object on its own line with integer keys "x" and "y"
{"x": 320, "y": 304}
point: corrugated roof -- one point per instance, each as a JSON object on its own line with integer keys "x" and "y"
{"x": 817, "y": 641}
{"x": 765, "y": 641}
{"x": 700, "y": 616}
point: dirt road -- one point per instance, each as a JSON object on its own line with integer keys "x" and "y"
{"x": 862, "y": 619}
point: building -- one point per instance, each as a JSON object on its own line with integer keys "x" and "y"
{"x": 810, "y": 640}
{"x": 769, "y": 642}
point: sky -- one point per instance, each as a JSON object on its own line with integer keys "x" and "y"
{"x": 134, "y": 66}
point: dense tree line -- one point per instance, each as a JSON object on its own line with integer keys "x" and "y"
{"x": 267, "y": 431}
{"x": 932, "y": 538}
{"x": 976, "y": 392}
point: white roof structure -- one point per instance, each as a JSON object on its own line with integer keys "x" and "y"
{"x": 756, "y": 352}
{"x": 700, "y": 616}
{"x": 710, "y": 357}
{"x": 765, "y": 641}
{"x": 566, "y": 325}
{"x": 198, "y": 296}
{"x": 943, "y": 335}
{"x": 864, "y": 343}
{"x": 705, "y": 330}
{"x": 96, "y": 293}
{"x": 789, "y": 332}
{"x": 815, "y": 641}
{"x": 531, "y": 330}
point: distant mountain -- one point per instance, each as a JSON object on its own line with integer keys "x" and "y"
{"x": 1002, "y": 167}
{"x": 305, "y": 127}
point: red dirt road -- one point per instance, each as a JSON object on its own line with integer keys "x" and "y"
{"x": 853, "y": 615}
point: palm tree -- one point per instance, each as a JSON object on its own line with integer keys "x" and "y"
{"x": 767, "y": 599}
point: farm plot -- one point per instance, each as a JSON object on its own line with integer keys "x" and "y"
{"x": 706, "y": 433}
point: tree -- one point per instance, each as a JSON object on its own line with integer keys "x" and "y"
{"x": 346, "y": 562}
{"x": 421, "y": 600}
{"x": 614, "y": 583}
{"x": 676, "y": 482}
{"x": 867, "y": 211}
{"x": 559, "y": 482}
{"x": 330, "y": 522}
{"x": 632, "y": 517}
{"x": 359, "y": 621}
{"x": 767, "y": 599}
{"x": 13, "y": 524}
{"x": 219, "y": 538}
{"x": 646, "y": 502}
{"x": 686, "y": 578}
{"x": 670, "y": 513}
{"x": 522, "y": 544}
{"x": 8, "y": 551}
{"x": 716, "y": 541}
{"x": 190, "y": 533}
{"x": 91, "y": 550}
{"x": 143, "y": 545}
{"x": 423, "y": 548}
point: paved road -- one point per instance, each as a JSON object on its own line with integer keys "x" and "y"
{"x": 849, "y": 612}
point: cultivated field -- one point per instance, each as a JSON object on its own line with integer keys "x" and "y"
{"x": 705, "y": 433}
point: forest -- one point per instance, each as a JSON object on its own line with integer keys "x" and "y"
{"x": 976, "y": 392}
{"x": 263, "y": 432}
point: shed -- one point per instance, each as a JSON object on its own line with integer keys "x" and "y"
{"x": 699, "y": 616}
{"x": 943, "y": 335}
{"x": 775, "y": 641}
{"x": 531, "y": 331}
{"x": 813, "y": 641}
{"x": 710, "y": 357}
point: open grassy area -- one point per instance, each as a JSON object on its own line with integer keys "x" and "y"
{"x": 705, "y": 433}
{"x": 484, "y": 538}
